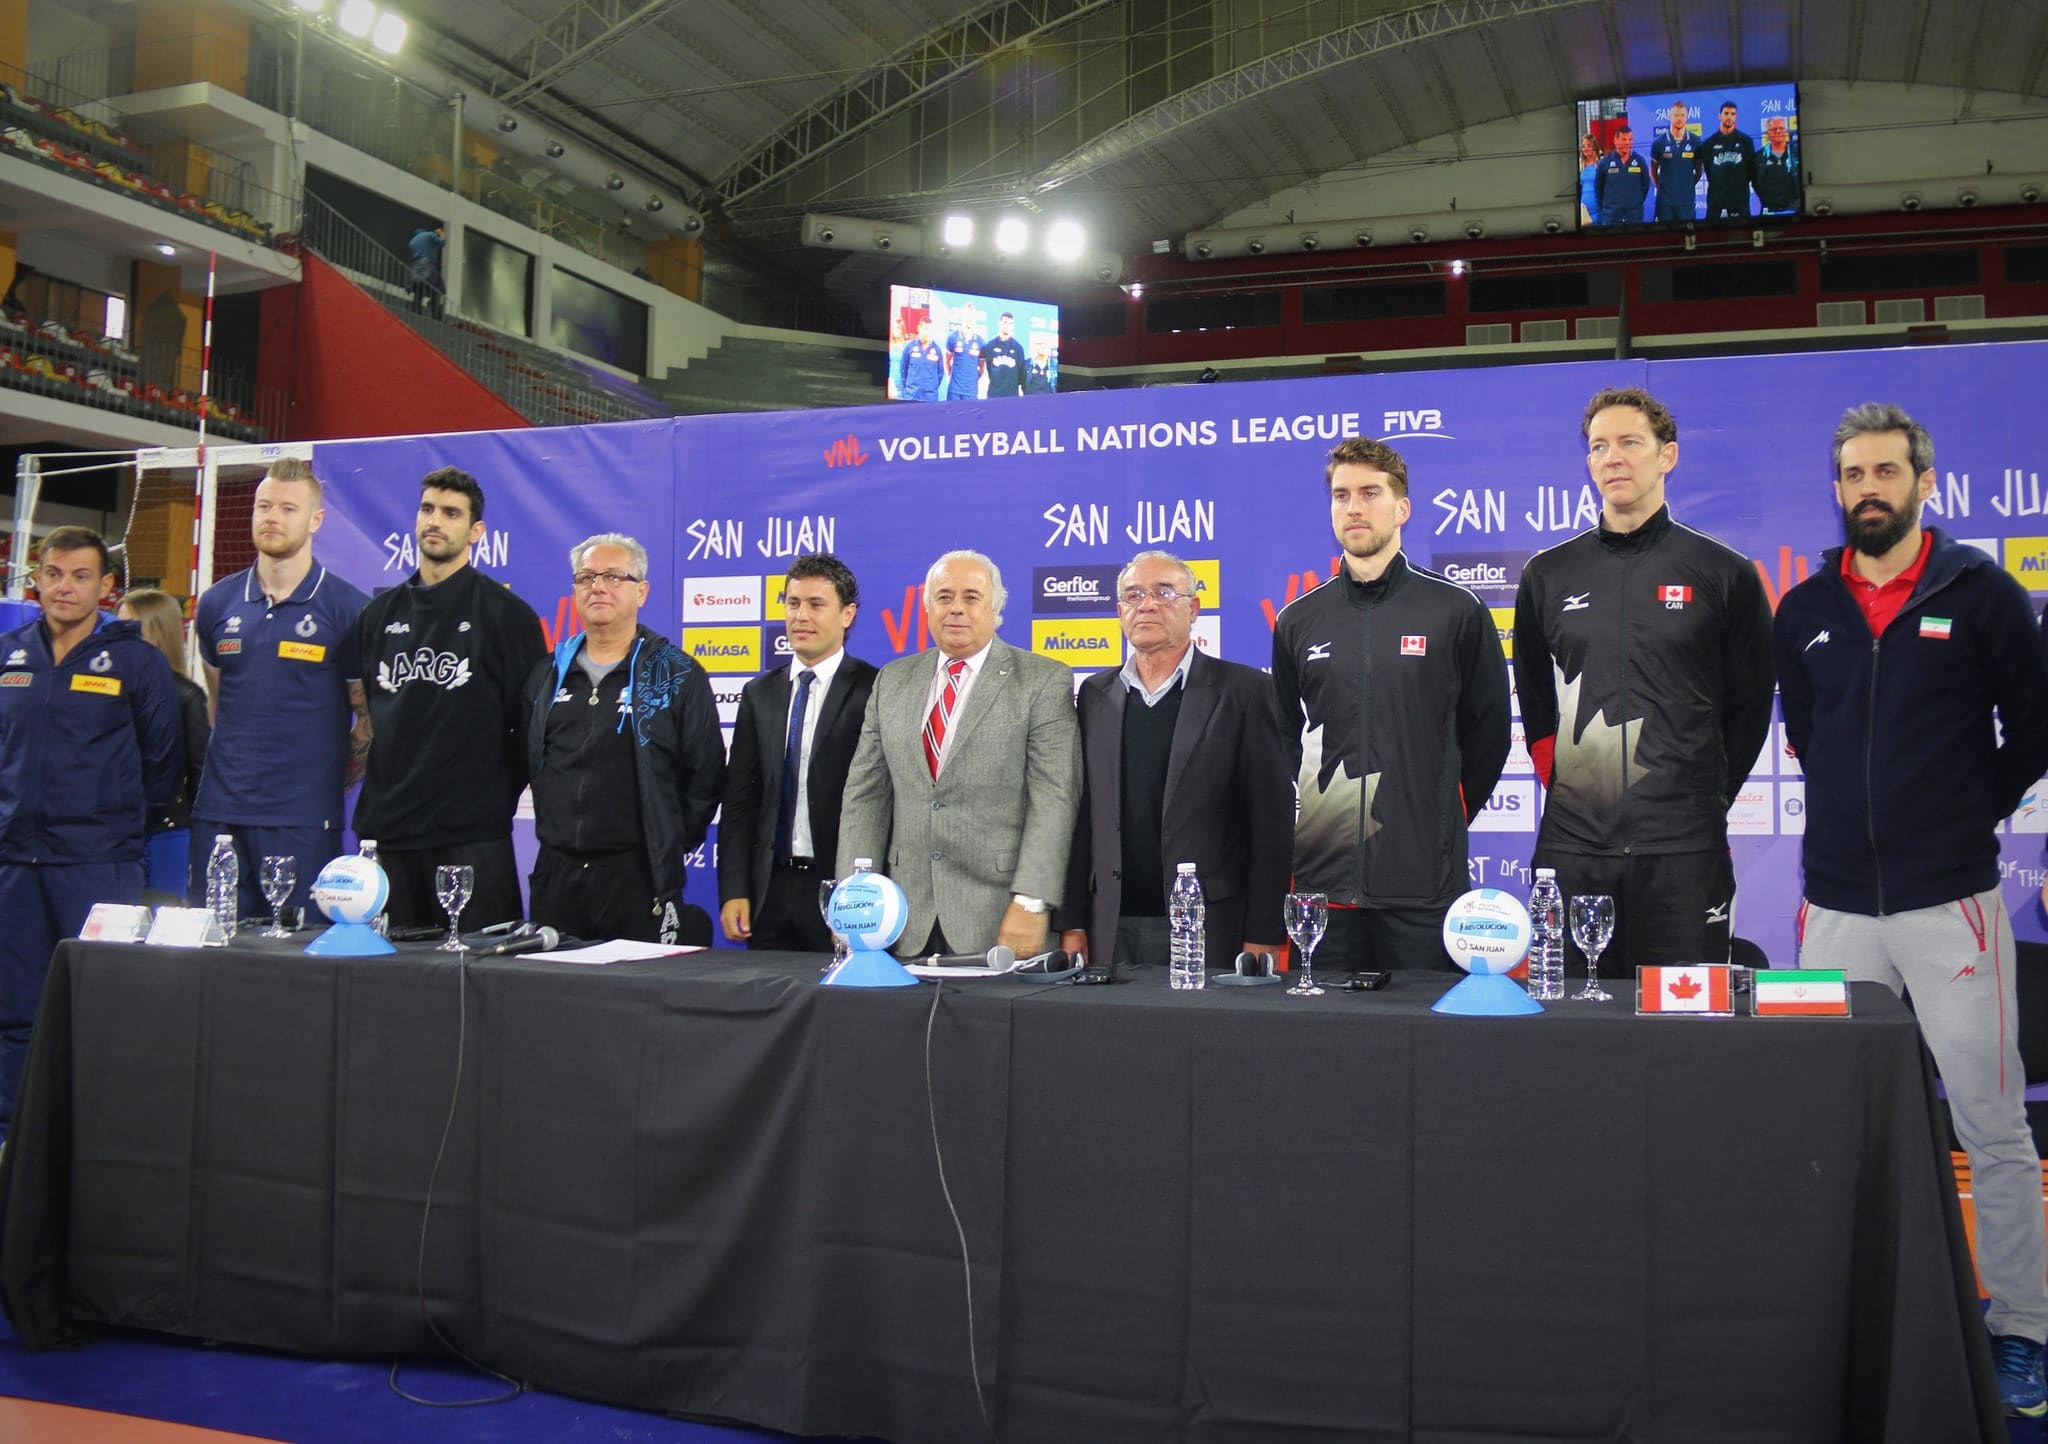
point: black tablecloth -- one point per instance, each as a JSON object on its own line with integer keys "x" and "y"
{"x": 709, "y": 1186}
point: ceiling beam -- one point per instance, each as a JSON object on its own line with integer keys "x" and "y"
{"x": 1385, "y": 35}
{"x": 1918, "y": 47}
{"x": 575, "y": 35}
{"x": 1616, "y": 51}
{"x": 905, "y": 78}
{"x": 1674, "y": 40}
{"x": 1735, "y": 40}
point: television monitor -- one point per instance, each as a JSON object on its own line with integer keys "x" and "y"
{"x": 954, "y": 346}
{"x": 1729, "y": 157}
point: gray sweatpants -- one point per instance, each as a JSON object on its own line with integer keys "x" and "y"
{"x": 1957, "y": 962}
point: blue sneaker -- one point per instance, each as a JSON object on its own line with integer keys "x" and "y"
{"x": 2020, "y": 1381}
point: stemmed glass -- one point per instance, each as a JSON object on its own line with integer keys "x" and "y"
{"x": 280, "y": 875}
{"x": 1592, "y": 926}
{"x": 1308, "y": 914}
{"x": 452, "y": 884}
{"x": 841, "y": 949}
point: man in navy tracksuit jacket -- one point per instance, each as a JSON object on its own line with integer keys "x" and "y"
{"x": 1915, "y": 691}
{"x": 90, "y": 745}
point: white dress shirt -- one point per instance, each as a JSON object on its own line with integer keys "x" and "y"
{"x": 822, "y": 673}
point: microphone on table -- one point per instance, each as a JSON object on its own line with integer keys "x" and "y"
{"x": 537, "y": 941}
{"x": 1053, "y": 962}
{"x": 996, "y": 957}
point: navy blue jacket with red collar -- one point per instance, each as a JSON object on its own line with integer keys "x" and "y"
{"x": 1907, "y": 776}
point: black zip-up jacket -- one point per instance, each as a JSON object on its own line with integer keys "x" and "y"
{"x": 1643, "y": 662}
{"x": 1906, "y": 778}
{"x": 1393, "y": 698}
{"x": 678, "y": 757}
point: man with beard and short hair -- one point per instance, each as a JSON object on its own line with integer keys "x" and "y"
{"x": 1003, "y": 359}
{"x": 1915, "y": 692}
{"x": 445, "y": 655}
{"x": 622, "y": 743}
{"x": 1393, "y": 699}
{"x": 1643, "y": 662}
{"x": 291, "y": 723}
{"x": 1675, "y": 167}
{"x": 1730, "y": 159}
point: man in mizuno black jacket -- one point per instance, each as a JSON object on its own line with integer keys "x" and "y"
{"x": 1895, "y": 657}
{"x": 1643, "y": 661}
{"x": 1394, "y": 705}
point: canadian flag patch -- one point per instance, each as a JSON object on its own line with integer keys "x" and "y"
{"x": 1414, "y": 646}
{"x": 1674, "y": 596}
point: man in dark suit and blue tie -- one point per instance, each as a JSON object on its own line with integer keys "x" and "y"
{"x": 1184, "y": 763}
{"x": 797, "y": 729}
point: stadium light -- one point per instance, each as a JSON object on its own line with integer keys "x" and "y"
{"x": 388, "y": 35}
{"x": 958, "y": 231}
{"x": 1012, "y": 236}
{"x": 357, "y": 17}
{"x": 1457, "y": 268}
{"x": 1065, "y": 242}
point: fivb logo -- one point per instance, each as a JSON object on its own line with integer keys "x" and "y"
{"x": 1425, "y": 425}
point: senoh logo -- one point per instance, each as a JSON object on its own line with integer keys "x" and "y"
{"x": 1493, "y": 575}
{"x": 1073, "y": 589}
{"x": 1512, "y": 808}
{"x": 1092, "y": 643}
{"x": 1207, "y": 634}
{"x": 1427, "y": 423}
{"x": 722, "y": 599}
{"x": 724, "y": 649}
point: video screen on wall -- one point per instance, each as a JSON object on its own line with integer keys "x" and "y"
{"x": 1728, "y": 155}
{"x": 951, "y": 346}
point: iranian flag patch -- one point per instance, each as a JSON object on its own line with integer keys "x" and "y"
{"x": 1936, "y": 627}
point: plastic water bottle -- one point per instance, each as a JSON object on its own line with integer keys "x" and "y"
{"x": 1546, "y": 937}
{"x": 1188, "y": 967}
{"x": 223, "y": 880}
{"x": 380, "y": 924}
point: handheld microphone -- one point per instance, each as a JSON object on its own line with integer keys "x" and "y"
{"x": 537, "y": 941}
{"x": 1051, "y": 961}
{"x": 996, "y": 957}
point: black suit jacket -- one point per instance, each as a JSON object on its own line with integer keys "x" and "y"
{"x": 753, "y": 778}
{"x": 1229, "y": 808}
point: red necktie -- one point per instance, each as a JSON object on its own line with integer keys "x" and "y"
{"x": 942, "y": 716}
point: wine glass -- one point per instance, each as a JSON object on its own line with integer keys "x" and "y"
{"x": 1308, "y": 914}
{"x": 452, "y": 885}
{"x": 279, "y": 875}
{"x": 1592, "y": 926}
{"x": 841, "y": 949}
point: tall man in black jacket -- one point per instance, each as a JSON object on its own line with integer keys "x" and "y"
{"x": 1393, "y": 698}
{"x": 798, "y": 726}
{"x": 1643, "y": 660}
{"x": 1915, "y": 692}
{"x": 444, "y": 655}
{"x": 622, "y": 742}
{"x": 1182, "y": 763}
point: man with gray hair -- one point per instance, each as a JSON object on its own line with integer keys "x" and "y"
{"x": 1183, "y": 762}
{"x": 967, "y": 779}
{"x": 627, "y": 763}
{"x": 1915, "y": 692}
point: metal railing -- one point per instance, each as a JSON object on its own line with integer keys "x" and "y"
{"x": 535, "y": 382}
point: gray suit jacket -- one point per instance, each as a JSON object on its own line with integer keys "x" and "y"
{"x": 1001, "y": 816}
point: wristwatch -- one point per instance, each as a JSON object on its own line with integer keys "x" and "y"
{"x": 1029, "y": 904}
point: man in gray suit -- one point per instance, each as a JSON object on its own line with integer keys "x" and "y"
{"x": 967, "y": 780}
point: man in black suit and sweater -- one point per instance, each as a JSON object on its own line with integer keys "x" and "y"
{"x": 797, "y": 730}
{"x": 1184, "y": 763}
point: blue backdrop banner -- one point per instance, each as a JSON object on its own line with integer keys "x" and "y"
{"x": 1060, "y": 490}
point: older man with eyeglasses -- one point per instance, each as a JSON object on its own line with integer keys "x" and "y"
{"x": 627, "y": 762}
{"x": 1183, "y": 762}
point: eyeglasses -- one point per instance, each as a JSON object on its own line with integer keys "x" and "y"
{"x": 1136, "y": 597}
{"x": 586, "y": 580}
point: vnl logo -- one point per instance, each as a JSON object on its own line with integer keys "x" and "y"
{"x": 845, "y": 452}
{"x": 1425, "y": 425}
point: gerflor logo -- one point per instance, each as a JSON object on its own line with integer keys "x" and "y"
{"x": 443, "y": 669}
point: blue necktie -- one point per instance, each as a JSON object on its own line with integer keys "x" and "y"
{"x": 792, "y": 763}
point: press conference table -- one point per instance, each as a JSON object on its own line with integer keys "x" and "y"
{"x": 708, "y": 1186}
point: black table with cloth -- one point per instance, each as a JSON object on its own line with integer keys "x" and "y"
{"x": 707, "y": 1185}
